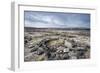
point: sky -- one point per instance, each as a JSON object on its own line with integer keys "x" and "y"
{"x": 40, "y": 19}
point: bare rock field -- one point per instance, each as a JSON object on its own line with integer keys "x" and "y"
{"x": 56, "y": 45}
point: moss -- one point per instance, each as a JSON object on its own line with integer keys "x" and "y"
{"x": 56, "y": 42}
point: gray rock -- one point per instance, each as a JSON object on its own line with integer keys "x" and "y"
{"x": 29, "y": 38}
{"x": 65, "y": 56}
{"x": 81, "y": 57}
{"x": 82, "y": 48}
{"x": 51, "y": 56}
{"x": 31, "y": 46}
{"x": 40, "y": 51}
{"x": 73, "y": 57}
{"x": 33, "y": 49}
{"x": 80, "y": 53}
{"x": 67, "y": 44}
{"x": 72, "y": 53}
{"x": 25, "y": 41}
{"x": 66, "y": 50}
{"x": 61, "y": 49}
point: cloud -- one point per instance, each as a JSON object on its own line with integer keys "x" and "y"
{"x": 56, "y": 20}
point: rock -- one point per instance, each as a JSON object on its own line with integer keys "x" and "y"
{"x": 87, "y": 54}
{"x": 67, "y": 44}
{"x": 28, "y": 57}
{"x": 40, "y": 51}
{"x": 72, "y": 53}
{"x": 73, "y": 57}
{"x": 48, "y": 54}
{"x": 29, "y": 38}
{"x": 52, "y": 49}
{"x": 60, "y": 49}
{"x": 34, "y": 48}
{"x": 74, "y": 45}
{"x": 81, "y": 57}
{"x": 80, "y": 53}
{"x": 45, "y": 46}
{"x": 36, "y": 57}
{"x": 66, "y": 50}
{"x": 81, "y": 49}
{"x": 25, "y": 41}
{"x": 65, "y": 56}
{"x": 87, "y": 46}
{"x": 51, "y": 56}
{"x": 41, "y": 57}
{"x": 26, "y": 51}
{"x": 31, "y": 46}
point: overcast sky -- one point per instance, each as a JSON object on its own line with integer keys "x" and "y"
{"x": 56, "y": 19}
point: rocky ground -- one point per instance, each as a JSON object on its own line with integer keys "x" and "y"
{"x": 56, "y": 45}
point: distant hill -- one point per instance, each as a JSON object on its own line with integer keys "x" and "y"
{"x": 30, "y": 29}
